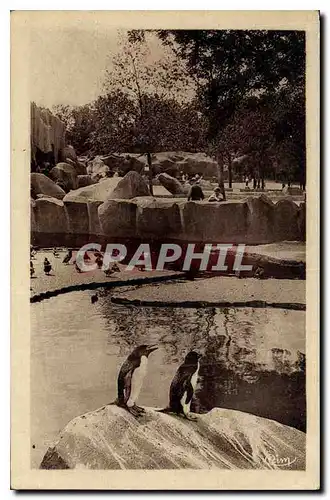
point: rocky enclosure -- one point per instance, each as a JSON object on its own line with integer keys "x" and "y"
{"x": 122, "y": 208}
{"x": 111, "y": 438}
{"x": 253, "y": 221}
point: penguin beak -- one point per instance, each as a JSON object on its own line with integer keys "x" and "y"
{"x": 152, "y": 348}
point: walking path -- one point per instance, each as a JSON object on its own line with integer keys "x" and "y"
{"x": 65, "y": 278}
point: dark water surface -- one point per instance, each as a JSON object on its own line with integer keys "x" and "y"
{"x": 253, "y": 359}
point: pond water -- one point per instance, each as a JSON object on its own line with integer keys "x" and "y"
{"x": 253, "y": 359}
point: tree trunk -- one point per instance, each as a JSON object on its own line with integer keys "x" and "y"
{"x": 230, "y": 175}
{"x": 150, "y": 174}
{"x": 220, "y": 176}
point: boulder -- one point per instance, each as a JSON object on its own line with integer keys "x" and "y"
{"x": 286, "y": 220}
{"x": 84, "y": 180}
{"x": 69, "y": 153}
{"x": 50, "y": 216}
{"x": 78, "y": 217}
{"x": 118, "y": 218}
{"x": 41, "y": 184}
{"x": 171, "y": 184}
{"x": 80, "y": 168}
{"x": 97, "y": 169}
{"x": 165, "y": 164}
{"x": 111, "y": 438}
{"x": 65, "y": 174}
{"x": 100, "y": 191}
{"x": 198, "y": 163}
{"x": 224, "y": 222}
{"x": 94, "y": 227}
{"x": 130, "y": 186}
{"x": 124, "y": 162}
{"x": 261, "y": 212}
{"x": 156, "y": 218}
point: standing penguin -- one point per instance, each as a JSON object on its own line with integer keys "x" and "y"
{"x": 183, "y": 386}
{"x": 47, "y": 266}
{"x": 130, "y": 378}
{"x": 68, "y": 257}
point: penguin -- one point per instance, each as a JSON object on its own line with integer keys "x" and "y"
{"x": 115, "y": 268}
{"x": 32, "y": 271}
{"x": 99, "y": 261}
{"x": 77, "y": 267}
{"x": 130, "y": 379}
{"x": 47, "y": 266}
{"x": 94, "y": 298}
{"x": 55, "y": 253}
{"x": 108, "y": 272}
{"x": 68, "y": 257}
{"x": 183, "y": 386}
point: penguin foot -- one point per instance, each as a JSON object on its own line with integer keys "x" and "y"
{"x": 188, "y": 416}
{"x": 135, "y": 410}
{"x": 139, "y": 408}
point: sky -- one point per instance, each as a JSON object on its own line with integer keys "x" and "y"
{"x": 67, "y": 66}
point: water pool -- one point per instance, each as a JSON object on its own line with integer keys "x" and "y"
{"x": 253, "y": 359}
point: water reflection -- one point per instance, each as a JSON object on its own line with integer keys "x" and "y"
{"x": 253, "y": 359}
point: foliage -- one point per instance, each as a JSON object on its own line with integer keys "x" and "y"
{"x": 80, "y": 123}
{"x": 251, "y": 86}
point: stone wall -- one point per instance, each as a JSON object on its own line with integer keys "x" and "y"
{"x": 255, "y": 220}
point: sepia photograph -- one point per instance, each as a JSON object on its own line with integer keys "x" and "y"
{"x": 169, "y": 170}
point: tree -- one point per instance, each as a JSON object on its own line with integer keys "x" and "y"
{"x": 79, "y": 121}
{"x": 233, "y": 66}
{"x": 152, "y": 85}
{"x": 114, "y": 123}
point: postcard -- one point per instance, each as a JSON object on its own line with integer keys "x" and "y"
{"x": 165, "y": 241}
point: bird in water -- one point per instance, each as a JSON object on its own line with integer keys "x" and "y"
{"x": 94, "y": 298}
{"x": 130, "y": 379}
{"x": 183, "y": 386}
{"x": 68, "y": 257}
{"x": 47, "y": 266}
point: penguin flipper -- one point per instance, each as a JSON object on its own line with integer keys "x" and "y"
{"x": 124, "y": 382}
{"x": 189, "y": 392}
